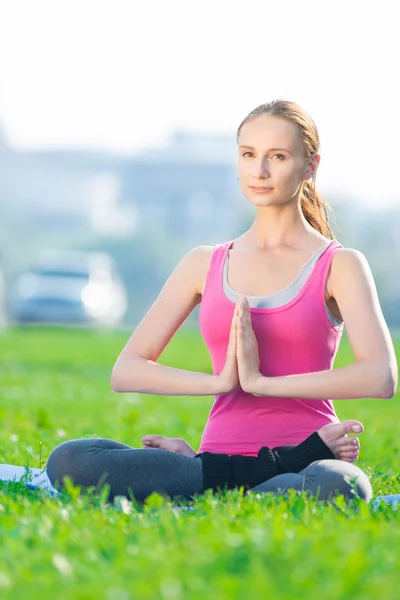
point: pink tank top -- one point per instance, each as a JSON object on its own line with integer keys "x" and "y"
{"x": 294, "y": 338}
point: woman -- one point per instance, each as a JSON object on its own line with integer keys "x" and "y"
{"x": 273, "y": 355}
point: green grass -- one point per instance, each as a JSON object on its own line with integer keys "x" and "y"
{"x": 55, "y": 386}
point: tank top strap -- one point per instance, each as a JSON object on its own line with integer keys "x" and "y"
{"x": 214, "y": 273}
{"x": 320, "y": 272}
{"x": 324, "y": 262}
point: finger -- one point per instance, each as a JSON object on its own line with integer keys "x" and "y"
{"x": 233, "y": 324}
{"x": 232, "y": 338}
{"x": 239, "y": 337}
{"x": 237, "y": 315}
{"x": 245, "y": 316}
{"x": 231, "y": 349}
{"x": 246, "y": 312}
{"x": 242, "y": 331}
{"x": 234, "y": 318}
{"x": 234, "y": 343}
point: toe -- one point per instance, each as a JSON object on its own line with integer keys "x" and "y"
{"x": 350, "y": 427}
{"x": 353, "y": 426}
{"x": 152, "y": 440}
{"x": 348, "y": 456}
{"x": 348, "y": 443}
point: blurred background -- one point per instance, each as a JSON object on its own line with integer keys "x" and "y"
{"x": 118, "y": 141}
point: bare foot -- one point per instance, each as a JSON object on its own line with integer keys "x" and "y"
{"x": 176, "y": 445}
{"x": 335, "y": 436}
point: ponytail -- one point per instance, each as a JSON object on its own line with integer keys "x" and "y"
{"x": 315, "y": 209}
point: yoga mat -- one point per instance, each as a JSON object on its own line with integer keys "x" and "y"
{"x": 392, "y": 499}
{"x": 33, "y": 478}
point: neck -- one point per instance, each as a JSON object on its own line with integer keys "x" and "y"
{"x": 276, "y": 226}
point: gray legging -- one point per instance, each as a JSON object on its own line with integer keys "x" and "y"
{"x": 96, "y": 461}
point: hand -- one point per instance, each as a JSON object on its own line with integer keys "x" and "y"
{"x": 248, "y": 358}
{"x": 228, "y": 379}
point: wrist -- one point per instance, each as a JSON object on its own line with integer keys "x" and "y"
{"x": 259, "y": 386}
{"x": 219, "y": 385}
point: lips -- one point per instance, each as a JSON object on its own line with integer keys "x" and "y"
{"x": 260, "y": 189}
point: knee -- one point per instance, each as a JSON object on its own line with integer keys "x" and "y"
{"x": 333, "y": 477}
{"x": 61, "y": 462}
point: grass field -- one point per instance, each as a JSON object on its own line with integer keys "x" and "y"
{"x": 55, "y": 386}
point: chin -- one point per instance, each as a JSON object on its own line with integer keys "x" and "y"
{"x": 263, "y": 201}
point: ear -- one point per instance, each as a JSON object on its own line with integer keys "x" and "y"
{"x": 312, "y": 166}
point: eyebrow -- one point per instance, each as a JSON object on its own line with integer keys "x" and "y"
{"x": 270, "y": 150}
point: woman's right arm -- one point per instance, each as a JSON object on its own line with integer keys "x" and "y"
{"x": 136, "y": 369}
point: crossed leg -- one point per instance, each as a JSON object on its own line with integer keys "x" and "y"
{"x": 139, "y": 471}
{"x": 324, "y": 479}
{"x": 94, "y": 462}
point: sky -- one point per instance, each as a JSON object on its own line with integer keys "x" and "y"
{"x": 124, "y": 75}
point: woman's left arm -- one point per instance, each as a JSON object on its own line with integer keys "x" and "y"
{"x": 375, "y": 372}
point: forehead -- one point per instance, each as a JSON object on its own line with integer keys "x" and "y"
{"x": 270, "y": 131}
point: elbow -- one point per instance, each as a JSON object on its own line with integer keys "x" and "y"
{"x": 388, "y": 385}
{"x": 390, "y": 390}
{"x": 124, "y": 376}
{"x": 115, "y": 381}
{"x": 388, "y": 393}
{"x": 118, "y": 379}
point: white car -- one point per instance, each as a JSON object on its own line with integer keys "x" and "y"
{"x": 70, "y": 287}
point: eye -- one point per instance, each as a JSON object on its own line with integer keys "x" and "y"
{"x": 247, "y": 153}
{"x": 281, "y": 156}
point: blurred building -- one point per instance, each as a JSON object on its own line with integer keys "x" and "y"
{"x": 186, "y": 188}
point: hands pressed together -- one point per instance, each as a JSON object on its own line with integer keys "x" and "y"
{"x": 242, "y": 366}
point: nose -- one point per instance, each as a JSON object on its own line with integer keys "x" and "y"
{"x": 261, "y": 170}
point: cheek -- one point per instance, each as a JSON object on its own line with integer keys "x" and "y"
{"x": 241, "y": 169}
{"x": 290, "y": 175}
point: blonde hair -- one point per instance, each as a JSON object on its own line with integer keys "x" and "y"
{"x": 315, "y": 208}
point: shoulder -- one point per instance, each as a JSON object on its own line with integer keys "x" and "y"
{"x": 348, "y": 264}
{"x": 197, "y": 261}
{"x": 349, "y": 258}
{"x": 200, "y": 255}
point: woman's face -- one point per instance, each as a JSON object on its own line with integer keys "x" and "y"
{"x": 271, "y": 163}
